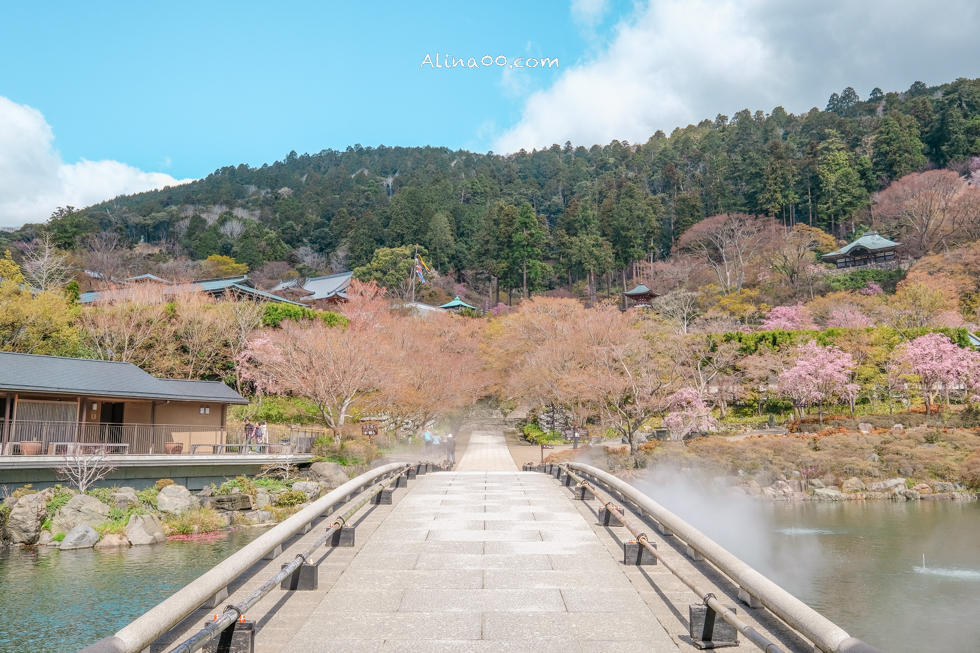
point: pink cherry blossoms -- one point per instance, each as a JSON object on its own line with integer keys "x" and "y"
{"x": 788, "y": 318}
{"x": 940, "y": 365}
{"x": 849, "y": 316}
{"x": 819, "y": 375}
{"x": 688, "y": 413}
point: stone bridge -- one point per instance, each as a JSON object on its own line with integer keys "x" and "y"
{"x": 487, "y": 558}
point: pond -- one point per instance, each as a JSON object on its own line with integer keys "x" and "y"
{"x": 859, "y": 563}
{"x": 58, "y": 602}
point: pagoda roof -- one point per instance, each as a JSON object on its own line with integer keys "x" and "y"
{"x": 641, "y": 291}
{"x": 457, "y": 303}
{"x": 871, "y": 241}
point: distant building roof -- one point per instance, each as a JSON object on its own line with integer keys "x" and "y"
{"x": 871, "y": 241}
{"x": 240, "y": 285}
{"x": 150, "y": 277}
{"x": 326, "y": 287}
{"x": 96, "y": 378}
{"x": 640, "y": 291}
{"x": 457, "y": 303}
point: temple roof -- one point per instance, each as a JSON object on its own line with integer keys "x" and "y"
{"x": 457, "y": 303}
{"x": 870, "y": 241}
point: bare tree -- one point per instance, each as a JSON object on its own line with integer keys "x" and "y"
{"x": 923, "y": 209}
{"x": 233, "y": 228}
{"x": 245, "y": 319}
{"x": 680, "y": 308}
{"x": 84, "y": 465}
{"x": 728, "y": 243}
{"x": 103, "y": 255}
{"x": 46, "y": 268}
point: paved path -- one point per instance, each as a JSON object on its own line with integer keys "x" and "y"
{"x": 485, "y": 558}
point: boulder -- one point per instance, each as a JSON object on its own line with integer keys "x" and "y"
{"x": 752, "y": 488}
{"x": 258, "y": 516}
{"x": 144, "y": 529}
{"x": 853, "y": 484}
{"x": 125, "y": 498}
{"x": 816, "y": 484}
{"x": 45, "y": 539}
{"x": 329, "y": 475}
{"x": 26, "y": 517}
{"x": 312, "y": 490}
{"x": 941, "y": 486}
{"x": 874, "y": 495}
{"x": 874, "y": 458}
{"x": 262, "y": 499}
{"x": 112, "y": 542}
{"x": 80, "y": 537}
{"x": 228, "y": 502}
{"x": 864, "y": 427}
{"x": 80, "y": 510}
{"x": 175, "y": 499}
{"x": 886, "y": 485}
{"x": 922, "y": 488}
{"x": 827, "y": 494}
{"x": 908, "y": 495}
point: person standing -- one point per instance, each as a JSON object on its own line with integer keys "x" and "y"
{"x": 263, "y": 433}
{"x": 450, "y": 449}
{"x": 249, "y": 431}
{"x": 437, "y": 445}
{"x": 427, "y": 436}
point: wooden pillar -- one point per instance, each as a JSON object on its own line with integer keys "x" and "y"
{"x": 5, "y": 435}
{"x": 80, "y": 428}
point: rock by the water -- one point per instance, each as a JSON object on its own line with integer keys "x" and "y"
{"x": 262, "y": 499}
{"x": 45, "y": 539}
{"x": 922, "y": 488}
{"x": 80, "y": 537}
{"x": 942, "y": 487}
{"x": 144, "y": 529}
{"x": 864, "y": 427}
{"x": 80, "y": 510}
{"x": 258, "y": 516}
{"x": 312, "y": 490}
{"x": 228, "y": 502}
{"x": 884, "y": 486}
{"x": 175, "y": 499}
{"x": 112, "y": 542}
{"x": 853, "y": 484}
{"x": 816, "y": 483}
{"x": 125, "y": 498}
{"x": 827, "y": 494}
{"x": 908, "y": 495}
{"x": 329, "y": 475}
{"x": 26, "y": 517}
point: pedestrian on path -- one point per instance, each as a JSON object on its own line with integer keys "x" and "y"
{"x": 437, "y": 445}
{"x": 427, "y": 436}
{"x": 450, "y": 449}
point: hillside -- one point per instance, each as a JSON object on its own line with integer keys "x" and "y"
{"x": 598, "y": 210}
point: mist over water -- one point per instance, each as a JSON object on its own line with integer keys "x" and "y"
{"x": 859, "y": 563}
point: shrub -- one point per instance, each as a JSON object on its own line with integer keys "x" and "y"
{"x": 244, "y": 484}
{"x": 202, "y": 520}
{"x": 273, "y": 484}
{"x": 148, "y": 496}
{"x": 291, "y": 498}
{"x": 24, "y": 491}
{"x": 60, "y": 498}
{"x": 970, "y": 472}
{"x": 110, "y": 528}
{"x": 4, "y": 516}
{"x": 282, "y": 513}
{"x": 58, "y": 537}
{"x": 103, "y": 494}
{"x": 164, "y": 482}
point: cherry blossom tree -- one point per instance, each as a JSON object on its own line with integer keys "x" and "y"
{"x": 939, "y": 365}
{"x": 688, "y": 413}
{"x": 788, "y": 318}
{"x": 849, "y": 316}
{"x": 821, "y": 374}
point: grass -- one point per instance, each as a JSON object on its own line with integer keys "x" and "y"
{"x": 110, "y": 528}
{"x": 148, "y": 497}
{"x": 291, "y": 498}
{"x": 58, "y": 537}
{"x": 192, "y": 522}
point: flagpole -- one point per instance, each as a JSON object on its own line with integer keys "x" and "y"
{"x": 415, "y": 264}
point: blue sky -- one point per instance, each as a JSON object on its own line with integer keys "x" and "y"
{"x": 99, "y": 99}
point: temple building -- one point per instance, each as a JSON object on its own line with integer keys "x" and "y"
{"x": 641, "y": 296}
{"x": 869, "y": 249}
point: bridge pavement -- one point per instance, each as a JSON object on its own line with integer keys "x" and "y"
{"x": 485, "y": 558}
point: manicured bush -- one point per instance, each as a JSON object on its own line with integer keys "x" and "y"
{"x": 164, "y": 482}
{"x": 290, "y": 498}
{"x": 202, "y": 520}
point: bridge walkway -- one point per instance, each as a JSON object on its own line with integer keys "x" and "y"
{"x": 485, "y": 558}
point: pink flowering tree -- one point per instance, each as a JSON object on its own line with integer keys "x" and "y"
{"x": 788, "y": 318}
{"x": 939, "y": 365}
{"x": 820, "y": 374}
{"x": 687, "y": 413}
{"x": 849, "y": 316}
{"x": 871, "y": 289}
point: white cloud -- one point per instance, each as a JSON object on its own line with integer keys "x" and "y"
{"x": 675, "y": 62}
{"x": 589, "y": 13}
{"x": 34, "y": 180}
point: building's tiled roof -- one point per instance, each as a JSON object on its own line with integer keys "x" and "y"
{"x": 31, "y": 373}
{"x": 240, "y": 285}
{"x": 871, "y": 241}
{"x": 332, "y": 285}
{"x": 457, "y": 303}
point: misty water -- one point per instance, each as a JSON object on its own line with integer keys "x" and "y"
{"x": 58, "y": 602}
{"x": 859, "y": 563}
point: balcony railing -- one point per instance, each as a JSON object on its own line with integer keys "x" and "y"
{"x": 46, "y": 438}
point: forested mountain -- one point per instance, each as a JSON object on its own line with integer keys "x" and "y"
{"x": 592, "y": 211}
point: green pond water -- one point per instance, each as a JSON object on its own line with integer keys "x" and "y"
{"x": 58, "y": 602}
{"x": 858, "y": 563}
